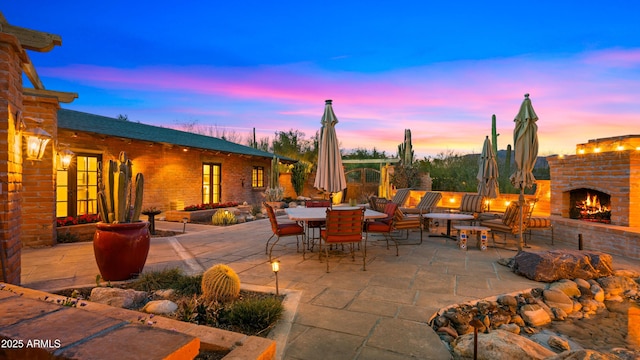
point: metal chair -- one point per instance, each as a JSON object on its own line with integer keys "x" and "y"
{"x": 344, "y": 227}
{"x": 283, "y": 230}
{"x": 311, "y": 225}
{"x": 384, "y": 226}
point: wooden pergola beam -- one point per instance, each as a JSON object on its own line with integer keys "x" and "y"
{"x": 31, "y": 39}
{"x": 63, "y": 97}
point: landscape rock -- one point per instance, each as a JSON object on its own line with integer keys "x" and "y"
{"x": 553, "y": 265}
{"x": 500, "y": 344}
{"x": 160, "y": 307}
{"x": 557, "y": 298}
{"x": 534, "y": 315}
{"x": 616, "y": 285}
{"x": 123, "y": 298}
{"x": 569, "y": 287}
{"x": 558, "y": 343}
{"x": 583, "y": 354}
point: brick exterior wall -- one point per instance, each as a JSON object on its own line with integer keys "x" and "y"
{"x": 173, "y": 175}
{"x": 39, "y": 184}
{"x": 11, "y": 58}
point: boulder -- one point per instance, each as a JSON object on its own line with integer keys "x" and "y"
{"x": 160, "y": 307}
{"x": 124, "y": 298}
{"x": 499, "y": 344}
{"x": 568, "y": 287}
{"x": 553, "y": 265}
{"x": 558, "y": 343}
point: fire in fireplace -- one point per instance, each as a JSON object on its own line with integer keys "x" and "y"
{"x": 590, "y": 205}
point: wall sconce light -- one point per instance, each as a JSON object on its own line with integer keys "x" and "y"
{"x": 275, "y": 267}
{"x": 37, "y": 141}
{"x": 66, "y": 156}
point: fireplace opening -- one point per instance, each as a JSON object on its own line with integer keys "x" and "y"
{"x": 590, "y": 205}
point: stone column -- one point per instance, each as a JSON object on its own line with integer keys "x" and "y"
{"x": 11, "y": 58}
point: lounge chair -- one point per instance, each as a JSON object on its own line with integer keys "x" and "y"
{"x": 401, "y": 196}
{"x": 427, "y": 204}
{"x": 537, "y": 223}
{"x": 402, "y": 221}
{"x": 344, "y": 227}
{"x": 472, "y": 204}
{"x": 509, "y": 223}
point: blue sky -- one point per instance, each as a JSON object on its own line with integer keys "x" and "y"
{"x": 438, "y": 69}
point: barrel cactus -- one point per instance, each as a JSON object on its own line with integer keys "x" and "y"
{"x": 115, "y": 196}
{"x": 220, "y": 283}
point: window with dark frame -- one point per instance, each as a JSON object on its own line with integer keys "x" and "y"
{"x": 257, "y": 177}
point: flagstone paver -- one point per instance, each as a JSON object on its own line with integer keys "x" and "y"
{"x": 348, "y": 313}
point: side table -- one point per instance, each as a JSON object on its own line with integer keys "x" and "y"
{"x": 481, "y": 233}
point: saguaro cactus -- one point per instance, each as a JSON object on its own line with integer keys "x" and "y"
{"x": 220, "y": 283}
{"x": 115, "y": 196}
{"x": 494, "y": 134}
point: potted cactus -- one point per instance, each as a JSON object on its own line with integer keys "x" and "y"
{"x": 121, "y": 241}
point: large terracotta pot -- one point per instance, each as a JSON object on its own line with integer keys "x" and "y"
{"x": 121, "y": 249}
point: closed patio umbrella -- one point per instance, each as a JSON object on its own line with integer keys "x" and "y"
{"x": 525, "y": 140}
{"x": 330, "y": 174}
{"x": 488, "y": 172}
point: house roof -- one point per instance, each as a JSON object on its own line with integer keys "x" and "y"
{"x": 97, "y": 124}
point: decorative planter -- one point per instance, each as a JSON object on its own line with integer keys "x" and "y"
{"x": 121, "y": 249}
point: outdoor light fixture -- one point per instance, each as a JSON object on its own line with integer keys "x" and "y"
{"x": 275, "y": 267}
{"x": 37, "y": 141}
{"x": 581, "y": 151}
{"x": 184, "y": 224}
{"x": 65, "y": 158}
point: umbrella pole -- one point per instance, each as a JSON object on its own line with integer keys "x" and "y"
{"x": 521, "y": 201}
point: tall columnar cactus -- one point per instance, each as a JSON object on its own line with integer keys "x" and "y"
{"x": 220, "y": 283}
{"x": 275, "y": 173}
{"x": 508, "y": 160}
{"x": 114, "y": 196}
{"x": 494, "y": 134}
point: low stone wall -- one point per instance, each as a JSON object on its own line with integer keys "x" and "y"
{"x": 611, "y": 239}
{"x": 81, "y": 232}
{"x": 197, "y": 215}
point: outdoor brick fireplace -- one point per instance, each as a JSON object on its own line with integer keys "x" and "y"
{"x": 595, "y": 194}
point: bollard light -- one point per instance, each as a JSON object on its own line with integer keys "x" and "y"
{"x": 184, "y": 224}
{"x": 275, "y": 267}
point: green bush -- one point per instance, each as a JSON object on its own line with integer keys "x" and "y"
{"x": 223, "y": 218}
{"x": 256, "y": 315}
{"x": 168, "y": 279}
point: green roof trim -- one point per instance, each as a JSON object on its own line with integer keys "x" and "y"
{"x": 103, "y": 125}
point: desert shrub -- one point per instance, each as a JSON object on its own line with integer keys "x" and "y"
{"x": 255, "y": 315}
{"x": 224, "y": 217}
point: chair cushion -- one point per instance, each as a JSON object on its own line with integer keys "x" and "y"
{"x": 511, "y": 214}
{"x": 401, "y": 196}
{"x": 408, "y": 223}
{"x": 472, "y": 203}
{"x": 497, "y": 225}
{"x": 290, "y": 229}
{"x": 539, "y": 222}
{"x": 378, "y": 226}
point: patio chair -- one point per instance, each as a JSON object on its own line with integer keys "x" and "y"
{"x": 537, "y": 222}
{"x": 312, "y": 225}
{"x": 344, "y": 227}
{"x": 401, "y": 196}
{"x": 384, "y": 226}
{"x": 401, "y": 221}
{"x": 427, "y": 204}
{"x": 282, "y": 230}
{"x": 509, "y": 223}
{"x": 377, "y": 203}
{"x": 472, "y": 204}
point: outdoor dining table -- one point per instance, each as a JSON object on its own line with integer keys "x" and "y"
{"x": 306, "y": 214}
{"x": 449, "y": 217}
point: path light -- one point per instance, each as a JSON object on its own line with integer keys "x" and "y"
{"x": 184, "y": 224}
{"x": 275, "y": 267}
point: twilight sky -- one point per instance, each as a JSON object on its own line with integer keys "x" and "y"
{"x": 438, "y": 69}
